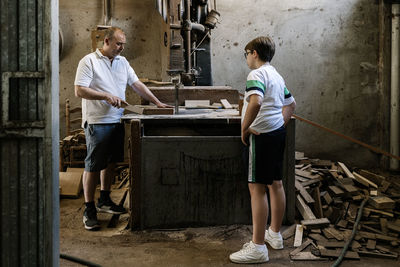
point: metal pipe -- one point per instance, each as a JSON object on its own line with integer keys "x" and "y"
{"x": 106, "y": 11}
{"x": 187, "y": 37}
{"x": 394, "y": 88}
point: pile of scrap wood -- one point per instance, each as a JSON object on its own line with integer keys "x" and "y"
{"x": 328, "y": 196}
{"x": 72, "y": 150}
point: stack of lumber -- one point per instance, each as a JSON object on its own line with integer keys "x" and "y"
{"x": 72, "y": 150}
{"x": 328, "y": 196}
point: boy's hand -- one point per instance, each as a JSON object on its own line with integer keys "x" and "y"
{"x": 246, "y": 133}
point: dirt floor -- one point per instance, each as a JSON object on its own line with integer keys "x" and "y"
{"x": 209, "y": 246}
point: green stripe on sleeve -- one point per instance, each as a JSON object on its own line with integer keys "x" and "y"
{"x": 254, "y": 83}
{"x": 286, "y": 91}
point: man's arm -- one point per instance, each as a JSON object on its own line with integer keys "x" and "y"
{"x": 90, "y": 94}
{"x": 251, "y": 113}
{"x": 145, "y": 92}
{"x": 287, "y": 111}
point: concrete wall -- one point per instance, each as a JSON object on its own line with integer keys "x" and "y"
{"x": 327, "y": 51}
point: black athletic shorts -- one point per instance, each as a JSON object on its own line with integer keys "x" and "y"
{"x": 266, "y": 156}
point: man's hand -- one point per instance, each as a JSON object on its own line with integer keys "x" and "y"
{"x": 163, "y": 105}
{"x": 246, "y": 133}
{"x": 115, "y": 101}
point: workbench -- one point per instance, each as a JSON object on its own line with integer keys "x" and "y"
{"x": 188, "y": 170}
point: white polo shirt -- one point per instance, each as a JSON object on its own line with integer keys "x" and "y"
{"x": 96, "y": 72}
{"x": 269, "y": 84}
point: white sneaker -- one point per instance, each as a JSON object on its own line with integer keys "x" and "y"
{"x": 250, "y": 254}
{"x": 274, "y": 240}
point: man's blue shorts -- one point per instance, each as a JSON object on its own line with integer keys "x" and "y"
{"x": 105, "y": 144}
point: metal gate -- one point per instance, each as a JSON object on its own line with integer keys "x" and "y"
{"x": 29, "y": 133}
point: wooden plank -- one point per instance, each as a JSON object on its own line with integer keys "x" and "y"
{"x": 350, "y": 189}
{"x": 336, "y": 190}
{"x": 325, "y": 196}
{"x": 71, "y": 183}
{"x": 394, "y": 227}
{"x": 306, "y": 256}
{"x": 331, "y": 232}
{"x": 384, "y": 186}
{"x": 383, "y": 222}
{"x": 289, "y": 232}
{"x": 371, "y": 244}
{"x": 318, "y": 237}
{"x": 225, "y": 103}
{"x": 310, "y": 182}
{"x": 342, "y": 224}
{"x": 336, "y": 253}
{"x": 305, "y": 210}
{"x": 389, "y": 214}
{"x": 346, "y": 170}
{"x": 392, "y": 255}
{"x": 331, "y": 244}
{"x": 196, "y": 103}
{"x": 381, "y": 202}
{"x": 306, "y": 174}
{"x": 307, "y": 197}
{"x": 315, "y": 223}
{"x": 364, "y": 181}
{"x": 298, "y": 238}
{"x": 375, "y": 178}
{"x": 301, "y": 247}
{"x": 149, "y": 110}
{"x": 317, "y": 203}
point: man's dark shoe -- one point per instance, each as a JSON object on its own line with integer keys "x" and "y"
{"x": 109, "y": 206}
{"x": 90, "y": 219}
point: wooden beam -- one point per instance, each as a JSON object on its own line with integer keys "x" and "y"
{"x": 364, "y": 181}
{"x": 315, "y": 223}
{"x": 346, "y": 170}
{"x": 307, "y": 197}
{"x": 298, "y": 238}
{"x": 304, "y": 209}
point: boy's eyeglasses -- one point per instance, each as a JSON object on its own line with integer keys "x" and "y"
{"x": 246, "y": 53}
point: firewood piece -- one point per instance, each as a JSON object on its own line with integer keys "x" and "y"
{"x": 325, "y": 196}
{"x": 304, "y": 210}
{"x": 301, "y": 179}
{"x": 364, "y": 181}
{"x": 342, "y": 224}
{"x": 375, "y": 178}
{"x": 298, "y": 238}
{"x": 382, "y": 202}
{"x": 316, "y": 223}
{"x": 305, "y": 167}
{"x": 369, "y": 235}
{"x": 226, "y": 103}
{"x": 289, "y": 232}
{"x": 317, "y": 203}
{"x": 306, "y": 256}
{"x": 383, "y": 222}
{"x": 336, "y": 253}
{"x": 310, "y": 182}
{"x": 383, "y": 249}
{"x": 350, "y": 189}
{"x": 371, "y": 244}
{"x": 321, "y": 163}
{"x": 355, "y": 245}
{"x": 346, "y": 170}
{"x": 336, "y": 190}
{"x": 332, "y": 244}
{"x": 318, "y": 237}
{"x": 301, "y": 247}
{"x": 394, "y": 227}
{"x": 306, "y": 174}
{"x": 384, "y": 186}
{"x": 389, "y": 214}
{"x": 392, "y": 255}
{"x": 307, "y": 197}
{"x": 331, "y": 232}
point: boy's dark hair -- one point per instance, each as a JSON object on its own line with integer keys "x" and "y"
{"x": 265, "y": 47}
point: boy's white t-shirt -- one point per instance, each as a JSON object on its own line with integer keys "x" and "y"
{"x": 95, "y": 71}
{"x": 269, "y": 84}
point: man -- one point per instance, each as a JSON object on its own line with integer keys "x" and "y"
{"x": 101, "y": 80}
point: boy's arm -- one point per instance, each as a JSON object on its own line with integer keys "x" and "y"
{"x": 287, "y": 111}
{"x": 251, "y": 113}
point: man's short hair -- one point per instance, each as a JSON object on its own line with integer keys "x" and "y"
{"x": 265, "y": 47}
{"x": 109, "y": 33}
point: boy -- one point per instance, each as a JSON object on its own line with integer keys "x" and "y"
{"x": 268, "y": 106}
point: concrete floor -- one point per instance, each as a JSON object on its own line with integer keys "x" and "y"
{"x": 209, "y": 246}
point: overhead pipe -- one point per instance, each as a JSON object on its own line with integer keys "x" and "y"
{"x": 394, "y": 90}
{"x": 106, "y": 12}
{"x": 187, "y": 37}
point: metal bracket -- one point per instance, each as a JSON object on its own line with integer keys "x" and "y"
{"x": 5, "y": 85}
